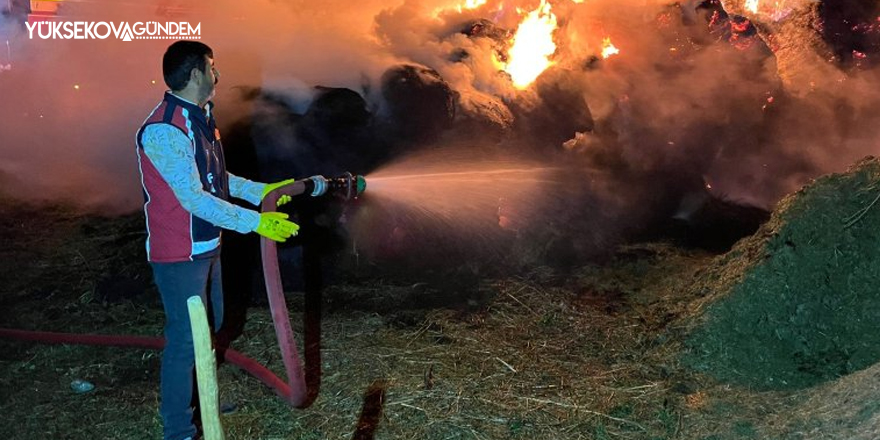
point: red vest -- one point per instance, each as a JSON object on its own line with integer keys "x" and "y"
{"x": 174, "y": 234}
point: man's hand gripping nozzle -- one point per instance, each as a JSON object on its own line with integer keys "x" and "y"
{"x": 275, "y": 226}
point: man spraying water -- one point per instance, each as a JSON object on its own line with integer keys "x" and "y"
{"x": 186, "y": 188}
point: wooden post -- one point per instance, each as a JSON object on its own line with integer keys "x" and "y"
{"x": 206, "y": 370}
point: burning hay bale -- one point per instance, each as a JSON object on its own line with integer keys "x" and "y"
{"x": 420, "y": 103}
{"x": 268, "y": 133}
{"x": 484, "y": 28}
{"x": 336, "y": 117}
{"x": 852, "y": 30}
{"x": 556, "y": 110}
{"x": 737, "y": 30}
{"x": 799, "y": 304}
{"x": 810, "y": 39}
{"x": 337, "y": 131}
{"x": 482, "y": 115}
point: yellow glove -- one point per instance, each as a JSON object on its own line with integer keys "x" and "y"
{"x": 275, "y": 226}
{"x": 273, "y": 186}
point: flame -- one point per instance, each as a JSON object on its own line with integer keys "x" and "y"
{"x": 468, "y": 4}
{"x": 752, "y": 5}
{"x": 608, "y": 49}
{"x": 472, "y": 4}
{"x": 532, "y": 46}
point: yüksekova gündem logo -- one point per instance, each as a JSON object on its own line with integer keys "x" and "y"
{"x": 102, "y": 30}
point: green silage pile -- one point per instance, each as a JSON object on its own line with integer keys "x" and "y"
{"x": 802, "y": 302}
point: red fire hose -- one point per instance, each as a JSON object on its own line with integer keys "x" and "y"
{"x": 149, "y": 342}
{"x": 294, "y": 391}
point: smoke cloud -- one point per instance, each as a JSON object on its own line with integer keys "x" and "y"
{"x": 681, "y": 102}
{"x": 70, "y": 108}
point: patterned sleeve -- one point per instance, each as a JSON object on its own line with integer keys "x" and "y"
{"x": 172, "y": 154}
{"x": 245, "y": 189}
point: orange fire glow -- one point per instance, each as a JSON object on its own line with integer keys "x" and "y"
{"x": 752, "y": 5}
{"x": 472, "y": 4}
{"x": 608, "y": 49}
{"x": 468, "y": 4}
{"x": 532, "y": 46}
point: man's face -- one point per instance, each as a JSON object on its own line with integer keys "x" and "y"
{"x": 207, "y": 80}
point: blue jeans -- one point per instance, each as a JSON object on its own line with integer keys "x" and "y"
{"x": 177, "y": 282}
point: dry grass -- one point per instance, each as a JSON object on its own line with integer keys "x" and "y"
{"x": 544, "y": 357}
{"x": 591, "y": 354}
{"x": 582, "y": 359}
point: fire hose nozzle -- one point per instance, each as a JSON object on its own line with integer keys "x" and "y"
{"x": 348, "y": 185}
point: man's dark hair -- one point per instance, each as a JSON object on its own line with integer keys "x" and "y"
{"x": 180, "y": 59}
